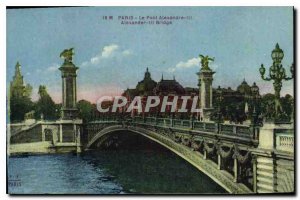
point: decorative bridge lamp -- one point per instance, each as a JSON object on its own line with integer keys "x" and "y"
{"x": 277, "y": 74}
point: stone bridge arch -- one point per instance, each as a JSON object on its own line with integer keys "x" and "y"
{"x": 208, "y": 167}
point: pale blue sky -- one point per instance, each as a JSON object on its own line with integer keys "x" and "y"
{"x": 113, "y": 57}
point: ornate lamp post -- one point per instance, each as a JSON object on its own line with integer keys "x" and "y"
{"x": 277, "y": 74}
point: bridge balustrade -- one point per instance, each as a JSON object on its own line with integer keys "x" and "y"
{"x": 163, "y": 122}
{"x": 150, "y": 120}
{"x": 243, "y": 130}
{"x": 224, "y": 129}
{"x": 233, "y": 129}
{"x": 284, "y": 140}
{"x": 186, "y": 123}
{"x": 176, "y": 123}
{"x": 210, "y": 126}
{"x": 227, "y": 129}
{"x": 199, "y": 126}
{"x": 139, "y": 119}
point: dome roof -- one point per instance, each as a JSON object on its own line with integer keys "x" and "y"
{"x": 244, "y": 88}
{"x": 147, "y": 85}
{"x": 166, "y": 87}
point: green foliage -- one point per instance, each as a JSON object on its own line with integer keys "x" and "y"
{"x": 287, "y": 104}
{"x": 19, "y": 102}
{"x": 45, "y": 106}
{"x": 18, "y": 106}
{"x": 268, "y": 107}
{"x": 85, "y": 110}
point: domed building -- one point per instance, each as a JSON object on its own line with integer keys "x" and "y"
{"x": 169, "y": 87}
{"x": 244, "y": 89}
{"x": 146, "y": 86}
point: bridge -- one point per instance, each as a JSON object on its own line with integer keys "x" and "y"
{"x": 242, "y": 159}
{"x": 229, "y": 154}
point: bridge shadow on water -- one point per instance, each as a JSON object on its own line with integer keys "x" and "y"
{"x": 143, "y": 166}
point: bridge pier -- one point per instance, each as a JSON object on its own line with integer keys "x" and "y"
{"x": 273, "y": 160}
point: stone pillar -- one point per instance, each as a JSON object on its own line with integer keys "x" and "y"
{"x": 60, "y": 133}
{"x": 205, "y": 92}
{"x": 69, "y": 74}
{"x": 235, "y": 170}
{"x": 74, "y": 93}
{"x": 64, "y": 91}
{"x": 192, "y": 124}
{"x": 254, "y": 166}
{"x": 205, "y": 155}
{"x": 78, "y": 141}
{"x": 75, "y": 133}
{"x": 220, "y": 162}
{"x": 43, "y": 133}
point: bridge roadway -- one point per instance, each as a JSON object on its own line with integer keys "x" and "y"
{"x": 221, "y": 151}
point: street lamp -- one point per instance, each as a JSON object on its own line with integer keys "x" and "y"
{"x": 277, "y": 74}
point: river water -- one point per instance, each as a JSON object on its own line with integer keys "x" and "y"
{"x": 110, "y": 171}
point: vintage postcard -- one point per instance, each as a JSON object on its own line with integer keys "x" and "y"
{"x": 150, "y": 100}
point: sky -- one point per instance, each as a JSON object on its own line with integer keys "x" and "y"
{"x": 112, "y": 56}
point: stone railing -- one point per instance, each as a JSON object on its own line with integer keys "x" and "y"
{"x": 238, "y": 130}
{"x": 284, "y": 140}
{"x": 222, "y": 129}
{"x": 233, "y": 129}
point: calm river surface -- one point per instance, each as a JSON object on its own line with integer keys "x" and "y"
{"x": 107, "y": 172}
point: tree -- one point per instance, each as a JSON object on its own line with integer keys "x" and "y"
{"x": 19, "y": 97}
{"x": 268, "y": 106}
{"x": 287, "y": 104}
{"x": 85, "y": 110}
{"x": 20, "y": 102}
{"x": 18, "y": 106}
{"x": 45, "y": 106}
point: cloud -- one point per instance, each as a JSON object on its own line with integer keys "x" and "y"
{"x": 127, "y": 52}
{"x": 193, "y": 62}
{"x": 109, "y": 51}
{"x": 53, "y": 68}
